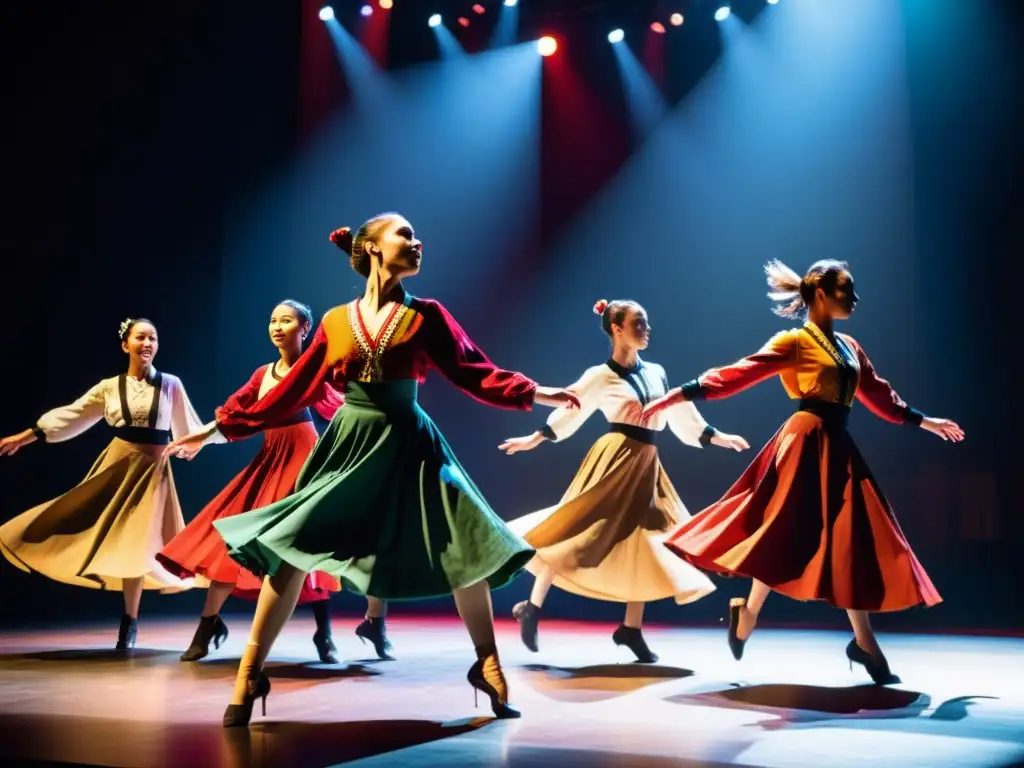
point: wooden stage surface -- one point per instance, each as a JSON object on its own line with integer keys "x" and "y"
{"x": 66, "y": 697}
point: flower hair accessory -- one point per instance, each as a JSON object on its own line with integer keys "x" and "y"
{"x": 600, "y": 306}
{"x": 342, "y": 237}
{"x": 125, "y": 325}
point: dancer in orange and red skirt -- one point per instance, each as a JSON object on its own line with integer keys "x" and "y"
{"x": 807, "y": 519}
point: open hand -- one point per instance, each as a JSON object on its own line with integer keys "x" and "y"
{"x": 733, "y": 442}
{"x": 11, "y": 445}
{"x": 517, "y": 444}
{"x": 944, "y": 428}
{"x": 185, "y": 447}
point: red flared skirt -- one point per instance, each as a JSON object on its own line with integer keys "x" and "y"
{"x": 200, "y": 551}
{"x": 808, "y": 519}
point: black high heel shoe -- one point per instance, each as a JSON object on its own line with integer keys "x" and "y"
{"x": 879, "y": 670}
{"x": 736, "y": 605}
{"x": 239, "y": 715}
{"x": 126, "y": 633}
{"x": 633, "y": 638}
{"x": 375, "y": 630}
{"x": 210, "y": 629}
{"x": 497, "y": 692}
{"x": 528, "y": 616}
{"x": 325, "y": 648}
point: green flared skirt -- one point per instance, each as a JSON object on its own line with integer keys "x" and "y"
{"x": 383, "y": 504}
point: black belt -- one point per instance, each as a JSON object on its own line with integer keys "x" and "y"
{"x": 143, "y": 435}
{"x": 835, "y": 415}
{"x": 633, "y": 432}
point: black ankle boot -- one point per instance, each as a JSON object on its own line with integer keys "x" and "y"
{"x": 375, "y": 630}
{"x": 322, "y": 639}
{"x": 878, "y": 669}
{"x": 211, "y": 628}
{"x": 528, "y": 616}
{"x": 633, "y": 638}
{"x": 126, "y": 634}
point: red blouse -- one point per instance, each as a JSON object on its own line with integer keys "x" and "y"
{"x": 417, "y": 335}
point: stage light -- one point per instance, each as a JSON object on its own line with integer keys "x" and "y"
{"x": 676, "y": 19}
{"x": 366, "y": 10}
{"x": 547, "y": 45}
{"x": 387, "y": 4}
{"x": 463, "y": 21}
{"x": 616, "y": 36}
{"x": 326, "y": 13}
{"x": 658, "y": 27}
{"x": 478, "y": 8}
{"x": 511, "y": 3}
{"x": 772, "y": 2}
{"x": 435, "y": 20}
{"x": 722, "y": 13}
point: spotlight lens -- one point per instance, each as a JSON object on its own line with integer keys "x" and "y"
{"x": 435, "y": 20}
{"x": 722, "y": 13}
{"x": 511, "y": 3}
{"x": 366, "y": 10}
{"x": 477, "y": 8}
{"x": 326, "y": 13}
{"x": 386, "y": 4}
{"x": 772, "y": 2}
{"x": 676, "y": 19}
{"x": 616, "y": 36}
{"x": 547, "y": 45}
{"x": 658, "y": 27}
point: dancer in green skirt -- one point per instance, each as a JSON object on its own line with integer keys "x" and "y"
{"x": 382, "y": 502}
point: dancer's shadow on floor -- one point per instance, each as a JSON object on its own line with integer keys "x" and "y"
{"x": 100, "y": 741}
{"x": 213, "y": 669}
{"x": 811, "y": 703}
{"x": 598, "y": 682}
{"x": 88, "y": 658}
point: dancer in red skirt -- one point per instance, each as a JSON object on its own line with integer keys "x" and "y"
{"x": 200, "y": 551}
{"x": 807, "y": 518}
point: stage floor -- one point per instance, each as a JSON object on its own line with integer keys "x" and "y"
{"x": 66, "y": 697}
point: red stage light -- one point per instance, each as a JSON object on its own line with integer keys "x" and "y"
{"x": 658, "y": 27}
{"x": 479, "y": 8}
{"x": 463, "y": 21}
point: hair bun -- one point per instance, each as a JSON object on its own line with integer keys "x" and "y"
{"x": 600, "y": 306}
{"x": 342, "y": 237}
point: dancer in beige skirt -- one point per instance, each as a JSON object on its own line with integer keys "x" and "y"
{"x": 605, "y": 538}
{"x": 106, "y": 531}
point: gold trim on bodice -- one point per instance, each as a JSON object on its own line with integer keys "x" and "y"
{"x": 849, "y": 369}
{"x": 372, "y": 350}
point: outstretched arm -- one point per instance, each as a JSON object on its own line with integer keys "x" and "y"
{"x": 687, "y": 423}
{"x": 881, "y": 399}
{"x": 302, "y": 387}
{"x": 780, "y": 352}
{"x": 60, "y": 424}
{"x": 564, "y": 421}
{"x": 466, "y": 366}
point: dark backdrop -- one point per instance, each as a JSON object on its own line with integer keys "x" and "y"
{"x": 144, "y": 140}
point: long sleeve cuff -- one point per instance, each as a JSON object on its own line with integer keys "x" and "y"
{"x": 912, "y": 417}
{"x": 548, "y": 432}
{"x": 692, "y": 390}
{"x": 706, "y": 436}
{"x": 38, "y": 432}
